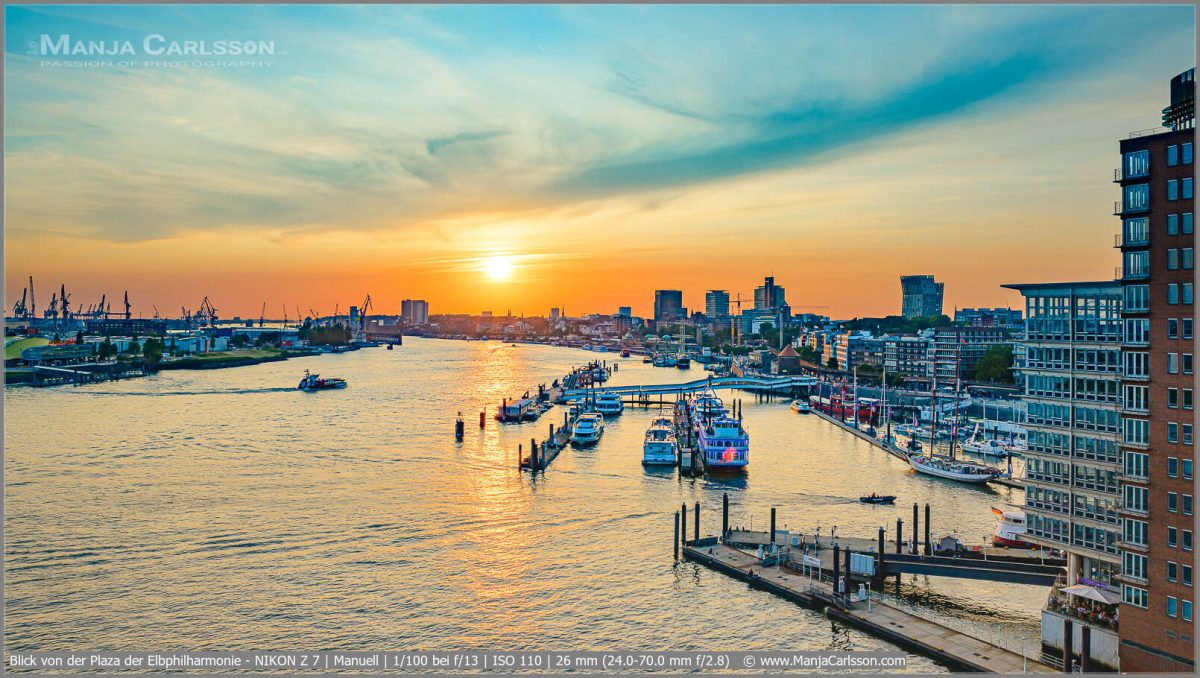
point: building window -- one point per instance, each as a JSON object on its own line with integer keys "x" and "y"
{"x": 1173, "y": 293}
{"x": 1137, "y": 498}
{"x": 1172, "y": 537}
{"x": 1137, "y": 231}
{"x": 1187, "y": 188}
{"x": 1187, "y": 469}
{"x": 1133, "y": 566}
{"x": 1187, "y": 259}
{"x": 1185, "y": 504}
{"x": 1137, "y": 264}
{"x": 1172, "y": 328}
{"x": 1172, "y": 225}
{"x": 1186, "y": 610}
{"x": 1137, "y": 298}
{"x": 1135, "y": 532}
{"x": 1172, "y": 259}
{"x": 1136, "y": 164}
{"x": 1136, "y": 466}
{"x": 1136, "y": 431}
{"x": 1172, "y": 363}
{"x": 1187, "y": 434}
{"x": 1132, "y": 595}
{"x": 1172, "y": 571}
{"x": 1187, "y": 153}
{"x": 1137, "y": 332}
{"x": 1187, "y": 327}
{"x": 1187, "y": 540}
{"x": 1172, "y": 432}
{"x": 1187, "y": 293}
{"x": 1172, "y": 467}
{"x": 1137, "y": 198}
{"x": 1173, "y": 189}
{"x": 1187, "y": 575}
{"x": 1173, "y": 398}
{"x": 1172, "y": 606}
{"x": 1172, "y": 155}
{"x": 1187, "y": 223}
{"x": 1187, "y": 363}
{"x": 1187, "y": 398}
{"x": 1172, "y": 502}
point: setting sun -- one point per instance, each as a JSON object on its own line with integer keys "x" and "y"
{"x": 498, "y": 267}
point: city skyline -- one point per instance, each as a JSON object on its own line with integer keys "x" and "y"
{"x": 509, "y": 157}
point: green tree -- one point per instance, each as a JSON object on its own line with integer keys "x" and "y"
{"x": 134, "y": 346}
{"x": 107, "y": 349}
{"x": 996, "y": 365}
{"x": 152, "y": 351}
{"x": 79, "y": 338}
{"x": 833, "y": 362}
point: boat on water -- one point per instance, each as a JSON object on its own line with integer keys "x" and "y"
{"x": 664, "y": 360}
{"x": 647, "y": 359}
{"x": 878, "y": 499}
{"x": 625, "y": 354}
{"x": 952, "y": 469}
{"x": 314, "y": 382}
{"x": 588, "y": 429}
{"x": 990, "y": 447}
{"x": 517, "y": 410}
{"x": 608, "y": 404}
{"x": 707, "y": 406}
{"x": 1010, "y": 529}
{"x": 683, "y": 362}
{"x": 724, "y": 443}
{"x": 801, "y": 406}
{"x": 659, "y": 447}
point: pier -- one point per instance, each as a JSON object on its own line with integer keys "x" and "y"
{"x": 769, "y": 384}
{"x": 1006, "y": 481}
{"x": 843, "y": 577}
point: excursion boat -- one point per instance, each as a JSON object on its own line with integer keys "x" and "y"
{"x": 588, "y": 429}
{"x": 1010, "y": 529}
{"x": 609, "y": 404}
{"x": 843, "y": 407}
{"x": 659, "y": 446}
{"x": 952, "y": 469}
{"x": 683, "y": 362}
{"x": 664, "y": 360}
{"x": 599, "y": 374}
{"x": 724, "y": 443}
{"x": 625, "y": 354}
{"x": 707, "y": 406}
{"x": 314, "y": 382}
{"x": 801, "y": 407}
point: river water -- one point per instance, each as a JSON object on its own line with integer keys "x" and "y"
{"x": 224, "y": 510}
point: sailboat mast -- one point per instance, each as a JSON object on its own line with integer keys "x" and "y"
{"x": 887, "y": 411}
{"x": 957, "y": 389}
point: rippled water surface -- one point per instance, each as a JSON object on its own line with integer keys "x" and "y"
{"x": 225, "y": 510}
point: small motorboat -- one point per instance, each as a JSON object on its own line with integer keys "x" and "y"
{"x": 801, "y": 406}
{"x": 624, "y": 354}
{"x": 877, "y": 499}
{"x": 314, "y": 382}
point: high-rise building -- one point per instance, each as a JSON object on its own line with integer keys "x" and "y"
{"x": 955, "y": 352}
{"x": 625, "y": 311}
{"x": 668, "y": 305}
{"x": 1157, "y": 241}
{"x": 716, "y": 305}
{"x": 1072, "y": 385}
{"x": 769, "y": 296}
{"x": 555, "y": 312}
{"x": 921, "y": 296}
{"x": 414, "y": 311}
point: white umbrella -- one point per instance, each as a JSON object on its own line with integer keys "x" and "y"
{"x": 1092, "y": 593}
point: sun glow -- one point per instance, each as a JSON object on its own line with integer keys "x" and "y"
{"x": 498, "y": 267}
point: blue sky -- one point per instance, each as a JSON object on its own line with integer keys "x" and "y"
{"x": 415, "y": 123}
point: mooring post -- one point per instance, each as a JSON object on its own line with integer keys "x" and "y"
{"x": 879, "y": 556}
{"x": 677, "y": 535}
{"x": 915, "y": 529}
{"x": 772, "y": 535}
{"x": 836, "y": 566}
{"x": 724, "y": 515}
{"x": 847, "y": 568}
{"x": 899, "y": 533}
{"x": 928, "y": 543}
{"x": 683, "y": 523}
{"x": 1067, "y": 651}
{"x": 482, "y": 415}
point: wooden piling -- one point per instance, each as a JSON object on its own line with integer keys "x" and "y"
{"x": 899, "y": 533}
{"x": 677, "y": 535}
{"x": 915, "y": 529}
{"x": 928, "y": 543}
{"x": 696, "y": 521}
{"x": 683, "y": 524}
{"x": 724, "y": 514}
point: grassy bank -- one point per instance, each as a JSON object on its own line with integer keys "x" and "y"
{"x": 236, "y": 358}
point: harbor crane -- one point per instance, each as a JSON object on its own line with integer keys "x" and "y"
{"x": 52, "y": 312}
{"x": 262, "y": 315}
{"x": 156, "y": 315}
{"x": 19, "y": 306}
{"x": 65, "y": 300}
{"x": 127, "y": 315}
{"x": 101, "y": 312}
{"x": 285, "y": 318}
{"x": 32, "y": 301}
{"x": 362, "y": 316}
{"x": 207, "y": 314}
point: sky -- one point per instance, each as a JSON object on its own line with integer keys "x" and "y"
{"x": 515, "y": 158}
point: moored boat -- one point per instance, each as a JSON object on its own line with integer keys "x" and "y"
{"x": 952, "y": 469}
{"x": 659, "y": 449}
{"x": 314, "y": 382}
{"x": 801, "y": 406}
{"x": 1010, "y": 529}
{"x": 608, "y": 404}
{"x": 724, "y": 443}
{"x": 588, "y": 429}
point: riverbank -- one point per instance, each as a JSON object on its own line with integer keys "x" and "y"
{"x": 235, "y": 358}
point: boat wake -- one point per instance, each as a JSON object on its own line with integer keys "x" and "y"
{"x": 232, "y": 391}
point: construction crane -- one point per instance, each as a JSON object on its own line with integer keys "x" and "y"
{"x": 313, "y": 314}
{"x": 285, "y": 318}
{"x": 52, "y": 312}
{"x": 65, "y": 300}
{"x": 156, "y": 315}
{"x": 299, "y": 320}
{"x": 207, "y": 314}
{"x": 101, "y": 311}
{"x": 262, "y": 315}
{"x": 19, "y": 306}
{"x": 127, "y": 307}
{"x": 362, "y": 316}
{"x": 337, "y": 305}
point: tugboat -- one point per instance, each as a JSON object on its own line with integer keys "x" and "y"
{"x": 314, "y": 382}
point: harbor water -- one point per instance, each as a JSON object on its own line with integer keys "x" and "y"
{"x": 225, "y": 510}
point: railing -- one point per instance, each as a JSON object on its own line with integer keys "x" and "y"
{"x": 1120, "y": 240}
{"x": 1145, "y": 132}
{"x": 988, "y": 632}
{"x": 1118, "y": 207}
{"x": 1117, "y": 175}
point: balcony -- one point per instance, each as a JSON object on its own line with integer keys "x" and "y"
{"x": 1120, "y": 273}
{"x": 1120, "y": 240}
{"x": 1119, "y": 208}
{"x": 1117, "y": 176}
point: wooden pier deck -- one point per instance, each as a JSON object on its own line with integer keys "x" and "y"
{"x": 899, "y": 454}
{"x": 923, "y": 636}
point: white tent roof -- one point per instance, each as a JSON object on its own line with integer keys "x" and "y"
{"x": 1093, "y": 593}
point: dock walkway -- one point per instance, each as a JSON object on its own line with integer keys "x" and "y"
{"x": 929, "y": 638}
{"x": 898, "y": 453}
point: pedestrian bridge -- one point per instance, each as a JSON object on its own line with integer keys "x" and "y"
{"x": 780, "y": 383}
